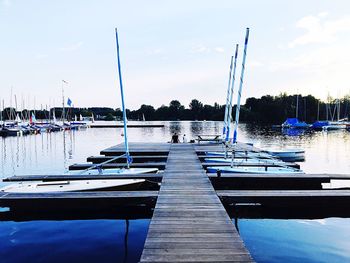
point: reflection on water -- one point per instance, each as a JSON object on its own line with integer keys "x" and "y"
{"x": 326, "y": 152}
{"x": 106, "y": 240}
{"x": 72, "y": 241}
{"x": 324, "y": 240}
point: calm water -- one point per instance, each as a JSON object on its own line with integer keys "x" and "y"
{"x": 108, "y": 240}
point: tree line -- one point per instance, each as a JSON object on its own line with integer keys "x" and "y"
{"x": 266, "y": 110}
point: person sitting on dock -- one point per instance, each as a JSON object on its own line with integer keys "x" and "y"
{"x": 175, "y": 138}
{"x": 184, "y": 139}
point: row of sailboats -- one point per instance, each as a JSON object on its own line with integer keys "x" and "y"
{"x": 332, "y": 121}
{"x": 25, "y": 122}
{"x": 97, "y": 184}
{"x": 232, "y": 157}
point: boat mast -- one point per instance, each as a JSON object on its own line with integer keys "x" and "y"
{"x": 1, "y": 110}
{"x": 231, "y": 97}
{"x": 227, "y": 100}
{"x": 318, "y": 110}
{"x": 234, "y": 140}
{"x": 128, "y": 157}
{"x": 297, "y": 108}
{"x": 63, "y": 109}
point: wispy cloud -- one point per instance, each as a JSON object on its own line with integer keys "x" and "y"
{"x": 319, "y": 59}
{"x": 156, "y": 51}
{"x": 205, "y": 49}
{"x": 219, "y": 49}
{"x": 6, "y": 2}
{"x": 72, "y": 47}
{"x": 200, "y": 49}
{"x": 320, "y": 30}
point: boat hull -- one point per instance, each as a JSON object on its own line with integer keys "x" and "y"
{"x": 254, "y": 170}
{"x": 70, "y": 186}
{"x": 242, "y": 160}
{"x": 116, "y": 171}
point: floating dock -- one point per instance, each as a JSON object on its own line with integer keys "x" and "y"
{"x": 191, "y": 220}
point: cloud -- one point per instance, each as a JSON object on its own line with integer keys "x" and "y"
{"x": 156, "y": 51}
{"x": 322, "y": 14}
{"x": 6, "y": 2}
{"x": 200, "y": 49}
{"x": 335, "y": 57}
{"x": 205, "y": 49}
{"x": 319, "y": 30}
{"x": 219, "y": 49}
{"x": 72, "y": 47}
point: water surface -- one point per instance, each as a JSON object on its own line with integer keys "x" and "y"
{"x": 103, "y": 240}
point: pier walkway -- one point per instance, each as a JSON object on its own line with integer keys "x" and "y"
{"x": 189, "y": 223}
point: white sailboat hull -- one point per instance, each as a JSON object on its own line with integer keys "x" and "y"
{"x": 254, "y": 170}
{"x": 68, "y": 186}
{"x": 242, "y": 160}
{"x": 116, "y": 171}
{"x": 287, "y": 153}
{"x": 241, "y": 154}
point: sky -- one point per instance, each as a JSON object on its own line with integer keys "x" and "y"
{"x": 170, "y": 50}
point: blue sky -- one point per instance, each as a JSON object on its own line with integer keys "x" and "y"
{"x": 170, "y": 49}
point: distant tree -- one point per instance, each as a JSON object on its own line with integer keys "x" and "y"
{"x": 196, "y": 108}
{"x": 110, "y": 117}
{"x": 175, "y": 110}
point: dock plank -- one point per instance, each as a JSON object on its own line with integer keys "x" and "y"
{"x": 189, "y": 223}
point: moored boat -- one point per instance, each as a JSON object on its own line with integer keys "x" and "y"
{"x": 318, "y": 125}
{"x": 242, "y": 160}
{"x": 254, "y": 170}
{"x": 70, "y": 186}
{"x": 115, "y": 171}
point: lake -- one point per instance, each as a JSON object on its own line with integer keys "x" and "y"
{"x": 115, "y": 240}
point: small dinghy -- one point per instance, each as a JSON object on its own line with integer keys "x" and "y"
{"x": 116, "y": 171}
{"x": 70, "y": 186}
{"x": 241, "y": 154}
{"x": 334, "y": 127}
{"x": 254, "y": 170}
{"x": 288, "y": 154}
{"x": 242, "y": 160}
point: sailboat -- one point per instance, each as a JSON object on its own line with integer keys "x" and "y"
{"x": 89, "y": 185}
{"x": 240, "y": 169}
{"x": 70, "y": 186}
{"x": 295, "y": 123}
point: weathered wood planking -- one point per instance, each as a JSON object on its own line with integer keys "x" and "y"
{"x": 136, "y": 159}
{"x": 138, "y": 149}
{"x": 189, "y": 223}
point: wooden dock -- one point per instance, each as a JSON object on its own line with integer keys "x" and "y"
{"x": 189, "y": 223}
